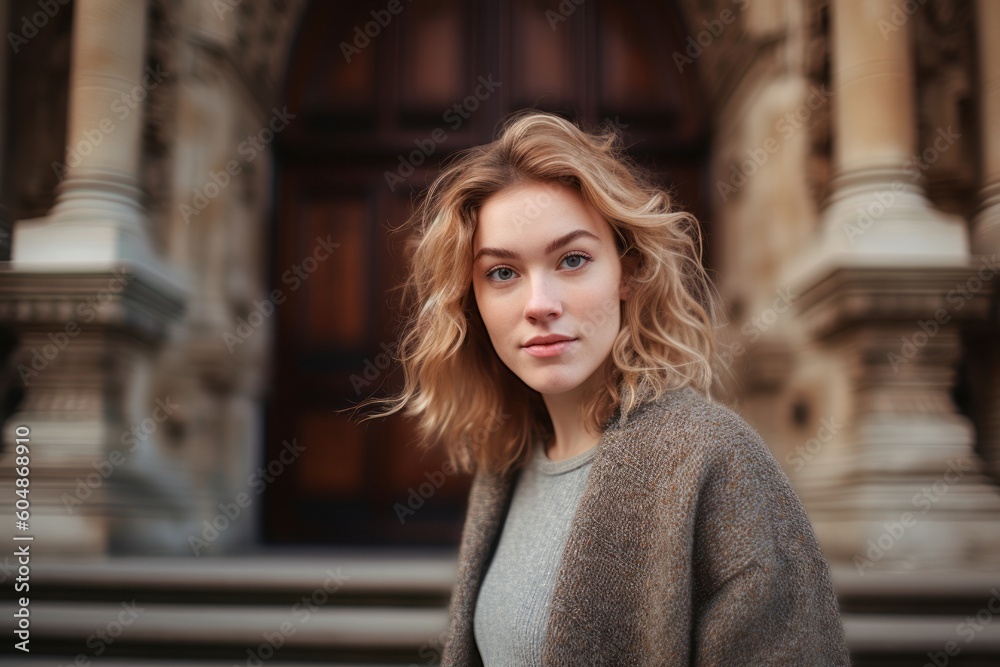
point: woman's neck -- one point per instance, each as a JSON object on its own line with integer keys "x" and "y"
{"x": 572, "y": 437}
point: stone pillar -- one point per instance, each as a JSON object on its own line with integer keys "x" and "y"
{"x": 986, "y": 228}
{"x": 877, "y": 210}
{"x": 883, "y": 294}
{"x": 98, "y": 218}
{"x": 5, "y": 221}
{"x": 91, "y": 303}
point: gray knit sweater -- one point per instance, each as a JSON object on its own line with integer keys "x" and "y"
{"x": 512, "y": 607}
{"x": 688, "y": 547}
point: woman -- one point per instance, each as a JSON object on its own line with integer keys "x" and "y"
{"x": 617, "y": 515}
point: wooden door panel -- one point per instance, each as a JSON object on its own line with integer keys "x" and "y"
{"x": 433, "y": 57}
{"x": 362, "y": 112}
{"x": 336, "y": 312}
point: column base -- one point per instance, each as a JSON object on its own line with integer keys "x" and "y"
{"x": 986, "y": 225}
{"x": 87, "y": 344}
{"x": 879, "y": 217}
{"x": 900, "y": 478}
{"x": 910, "y": 540}
{"x": 50, "y": 245}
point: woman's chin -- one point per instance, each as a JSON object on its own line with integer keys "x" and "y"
{"x": 552, "y": 386}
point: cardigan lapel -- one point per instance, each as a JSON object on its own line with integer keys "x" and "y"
{"x": 602, "y": 589}
{"x": 489, "y": 499}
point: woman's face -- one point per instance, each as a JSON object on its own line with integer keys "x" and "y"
{"x": 545, "y": 265}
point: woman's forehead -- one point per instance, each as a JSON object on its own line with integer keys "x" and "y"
{"x": 535, "y": 208}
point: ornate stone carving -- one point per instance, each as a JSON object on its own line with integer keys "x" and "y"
{"x": 263, "y": 41}
{"x": 948, "y": 137}
{"x": 817, "y": 64}
{"x": 160, "y": 124}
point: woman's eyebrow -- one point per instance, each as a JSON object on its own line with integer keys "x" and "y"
{"x": 565, "y": 239}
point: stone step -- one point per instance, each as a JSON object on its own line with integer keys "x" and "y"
{"x": 358, "y": 578}
{"x": 67, "y": 661}
{"x": 343, "y": 607}
{"x": 910, "y": 619}
{"x": 886, "y": 640}
{"x": 231, "y": 632}
{"x": 255, "y": 635}
{"x": 374, "y": 609}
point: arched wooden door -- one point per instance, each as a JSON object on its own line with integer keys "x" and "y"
{"x": 381, "y": 96}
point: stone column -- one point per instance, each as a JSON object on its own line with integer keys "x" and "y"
{"x": 878, "y": 210}
{"x": 986, "y": 227}
{"x": 5, "y": 222}
{"x": 91, "y": 303}
{"x": 883, "y": 294}
{"x": 97, "y": 218}
{"x": 986, "y": 230}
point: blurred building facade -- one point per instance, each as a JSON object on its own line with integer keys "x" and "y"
{"x": 199, "y": 272}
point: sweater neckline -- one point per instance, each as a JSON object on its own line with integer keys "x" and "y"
{"x": 545, "y": 465}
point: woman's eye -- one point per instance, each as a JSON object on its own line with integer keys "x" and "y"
{"x": 576, "y": 256}
{"x": 500, "y": 269}
{"x": 503, "y": 274}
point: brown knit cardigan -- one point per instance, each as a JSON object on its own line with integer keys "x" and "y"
{"x": 689, "y": 547}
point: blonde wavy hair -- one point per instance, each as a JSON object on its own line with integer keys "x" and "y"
{"x": 455, "y": 385}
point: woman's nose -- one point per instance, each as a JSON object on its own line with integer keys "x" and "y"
{"x": 544, "y": 300}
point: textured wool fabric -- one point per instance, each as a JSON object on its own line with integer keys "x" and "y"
{"x": 513, "y": 603}
{"x": 688, "y": 547}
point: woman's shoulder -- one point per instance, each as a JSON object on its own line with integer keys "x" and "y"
{"x": 687, "y": 414}
{"x": 684, "y": 423}
{"x": 684, "y": 435}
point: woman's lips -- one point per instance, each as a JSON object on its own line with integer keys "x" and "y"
{"x": 550, "y": 350}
